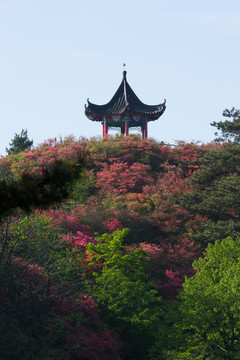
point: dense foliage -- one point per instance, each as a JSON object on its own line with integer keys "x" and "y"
{"x": 98, "y": 275}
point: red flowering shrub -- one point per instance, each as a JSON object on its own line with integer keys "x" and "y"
{"x": 188, "y": 156}
{"x": 167, "y": 214}
{"x": 35, "y": 160}
{"x": 113, "y": 225}
{"x": 66, "y": 328}
{"x": 128, "y": 149}
{"x": 170, "y": 262}
{"x": 76, "y": 327}
{"x": 120, "y": 178}
{"x": 67, "y": 222}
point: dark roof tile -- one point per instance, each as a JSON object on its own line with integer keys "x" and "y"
{"x": 124, "y": 100}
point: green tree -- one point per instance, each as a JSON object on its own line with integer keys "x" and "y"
{"x": 209, "y": 323}
{"x": 19, "y": 143}
{"x": 230, "y": 129}
{"x": 210, "y": 301}
{"x": 122, "y": 289}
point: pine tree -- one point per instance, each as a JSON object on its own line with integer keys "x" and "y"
{"x": 230, "y": 129}
{"x": 19, "y": 143}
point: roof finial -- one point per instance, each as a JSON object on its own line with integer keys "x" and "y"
{"x": 124, "y": 71}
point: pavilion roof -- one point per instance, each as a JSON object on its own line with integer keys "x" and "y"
{"x": 124, "y": 101}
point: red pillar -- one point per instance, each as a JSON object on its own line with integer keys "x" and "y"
{"x": 145, "y": 130}
{"x": 122, "y": 130}
{"x": 126, "y": 128}
{"x": 104, "y": 129}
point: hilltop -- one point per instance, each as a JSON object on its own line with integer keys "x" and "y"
{"x": 98, "y": 237}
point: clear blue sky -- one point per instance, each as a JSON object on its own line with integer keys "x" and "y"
{"x": 54, "y": 54}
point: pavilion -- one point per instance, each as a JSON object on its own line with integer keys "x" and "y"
{"x": 125, "y": 110}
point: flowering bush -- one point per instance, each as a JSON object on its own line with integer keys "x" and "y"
{"x": 170, "y": 263}
{"x": 121, "y": 178}
{"x": 35, "y": 160}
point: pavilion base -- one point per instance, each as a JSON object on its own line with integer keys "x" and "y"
{"x": 125, "y": 130}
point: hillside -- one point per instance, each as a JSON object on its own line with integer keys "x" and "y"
{"x": 97, "y": 239}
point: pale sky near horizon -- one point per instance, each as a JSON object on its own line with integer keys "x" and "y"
{"x": 54, "y": 54}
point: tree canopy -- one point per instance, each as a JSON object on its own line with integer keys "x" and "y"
{"x": 19, "y": 143}
{"x": 230, "y": 129}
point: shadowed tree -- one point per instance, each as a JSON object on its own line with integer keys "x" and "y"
{"x": 33, "y": 191}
